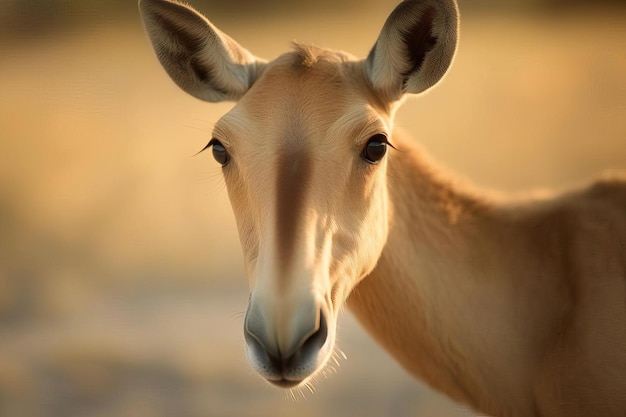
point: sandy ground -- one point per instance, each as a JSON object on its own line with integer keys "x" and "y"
{"x": 121, "y": 286}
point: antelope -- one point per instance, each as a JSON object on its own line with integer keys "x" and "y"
{"x": 513, "y": 307}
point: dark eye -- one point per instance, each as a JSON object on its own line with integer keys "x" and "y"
{"x": 375, "y": 148}
{"x": 219, "y": 152}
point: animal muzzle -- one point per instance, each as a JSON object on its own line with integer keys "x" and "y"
{"x": 288, "y": 341}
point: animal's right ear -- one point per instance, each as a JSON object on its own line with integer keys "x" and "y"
{"x": 202, "y": 60}
{"x": 414, "y": 49}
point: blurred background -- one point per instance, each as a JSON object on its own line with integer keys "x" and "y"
{"x": 121, "y": 284}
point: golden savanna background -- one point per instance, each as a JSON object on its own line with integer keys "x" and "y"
{"x": 121, "y": 283}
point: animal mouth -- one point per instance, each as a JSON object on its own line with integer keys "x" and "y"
{"x": 284, "y": 383}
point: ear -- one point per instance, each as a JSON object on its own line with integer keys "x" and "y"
{"x": 414, "y": 49}
{"x": 201, "y": 59}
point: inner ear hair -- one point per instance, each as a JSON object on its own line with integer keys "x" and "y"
{"x": 419, "y": 40}
{"x": 199, "y": 58}
{"x": 414, "y": 49}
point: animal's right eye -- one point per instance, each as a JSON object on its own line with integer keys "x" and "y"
{"x": 219, "y": 152}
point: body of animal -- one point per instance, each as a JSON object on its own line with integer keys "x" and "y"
{"x": 515, "y": 308}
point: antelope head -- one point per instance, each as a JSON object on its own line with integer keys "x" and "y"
{"x": 304, "y": 157}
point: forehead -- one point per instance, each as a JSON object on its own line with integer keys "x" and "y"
{"x": 303, "y": 93}
{"x": 304, "y": 76}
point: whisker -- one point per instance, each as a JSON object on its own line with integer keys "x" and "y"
{"x": 238, "y": 315}
{"x": 337, "y": 350}
{"x": 302, "y": 393}
{"x": 310, "y": 387}
{"x": 291, "y": 396}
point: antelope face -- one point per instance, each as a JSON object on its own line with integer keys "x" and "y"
{"x": 304, "y": 158}
{"x": 306, "y": 178}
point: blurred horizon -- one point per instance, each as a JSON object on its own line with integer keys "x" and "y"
{"x": 36, "y": 19}
{"x": 121, "y": 280}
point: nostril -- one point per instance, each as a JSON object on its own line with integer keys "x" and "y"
{"x": 315, "y": 341}
{"x": 252, "y": 339}
{"x": 256, "y": 337}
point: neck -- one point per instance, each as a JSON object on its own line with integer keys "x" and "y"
{"x": 439, "y": 296}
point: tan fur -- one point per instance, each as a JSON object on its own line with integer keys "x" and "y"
{"x": 514, "y": 307}
{"x": 517, "y": 310}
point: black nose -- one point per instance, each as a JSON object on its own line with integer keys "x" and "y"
{"x": 278, "y": 361}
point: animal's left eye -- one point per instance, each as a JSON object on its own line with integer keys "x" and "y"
{"x": 375, "y": 148}
{"x": 219, "y": 152}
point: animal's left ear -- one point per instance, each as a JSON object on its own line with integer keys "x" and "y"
{"x": 414, "y": 49}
